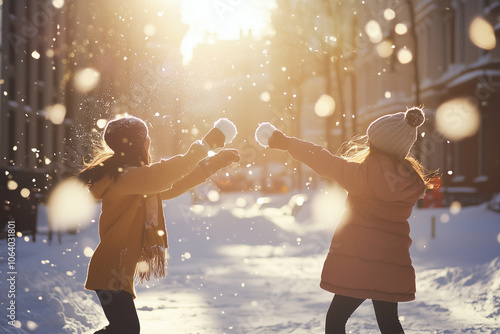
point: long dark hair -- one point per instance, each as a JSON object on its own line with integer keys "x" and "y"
{"x": 359, "y": 148}
{"x": 106, "y": 162}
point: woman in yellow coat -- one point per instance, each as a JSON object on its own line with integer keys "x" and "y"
{"x": 133, "y": 238}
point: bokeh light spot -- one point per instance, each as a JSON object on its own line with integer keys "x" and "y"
{"x": 265, "y": 97}
{"x": 482, "y": 34}
{"x": 12, "y": 185}
{"x": 385, "y": 48}
{"x": 401, "y": 29}
{"x": 25, "y": 193}
{"x": 101, "y": 124}
{"x": 373, "y": 30}
{"x": 142, "y": 267}
{"x": 88, "y": 252}
{"x": 457, "y": 119}
{"x": 404, "y": 56}
{"x": 70, "y": 205}
{"x": 241, "y": 202}
{"x": 149, "y": 29}
{"x": 389, "y": 14}
{"x": 32, "y": 326}
{"x": 213, "y": 195}
{"x": 325, "y": 106}
{"x": 56, "y": 113}
{"x": 58, "y": 3}
{"x": 455, "y": 207}
{"x": 328, "y": 207}
{"x": 87, "y": 79}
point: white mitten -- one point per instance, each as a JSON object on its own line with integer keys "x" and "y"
{"x": 221, "y": 134}
{"x": 227, "y": 128}
{"x": 264, "y": 132}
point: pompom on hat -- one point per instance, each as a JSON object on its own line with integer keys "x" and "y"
{"x": 126, "y": 134}
{"x": 396, "y": 133}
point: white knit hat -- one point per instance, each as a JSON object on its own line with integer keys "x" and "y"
{"x": 396, "y": 133}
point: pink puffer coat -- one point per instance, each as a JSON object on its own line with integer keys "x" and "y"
{"x": 369, "y": 255}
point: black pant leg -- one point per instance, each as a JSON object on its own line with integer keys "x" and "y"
{"x": 340, "y": 311}
{"x": 387, "y": 317}
{"x": 119, "y": 308}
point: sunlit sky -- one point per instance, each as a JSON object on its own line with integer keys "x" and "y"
{"x": 211, "y": 20}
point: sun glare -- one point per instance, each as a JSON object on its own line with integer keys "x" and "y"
{"x": 210, "y": 20}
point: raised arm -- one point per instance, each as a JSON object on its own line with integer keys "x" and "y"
{"x": 159, "y": 176}
{"x": 351, "y": 176}
{"x": 204, "y": 170}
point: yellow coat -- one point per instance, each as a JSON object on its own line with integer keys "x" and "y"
{"x": 121, "y": 224}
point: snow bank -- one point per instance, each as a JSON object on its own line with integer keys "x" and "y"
{"x": 249, "y": 263}
{"x": 49, "y": 284}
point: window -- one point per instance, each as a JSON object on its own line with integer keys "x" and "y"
{"x": 481, "y": 152}
{"x": 458, "y": 162}
{"x": 449, "y": 49}
{"x": 459, "y": 33}
{"x": 12, "y": 143}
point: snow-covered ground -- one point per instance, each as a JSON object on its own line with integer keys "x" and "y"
{"x": 247, "y": 263}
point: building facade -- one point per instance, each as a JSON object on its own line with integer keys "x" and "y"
{"x": 442, "y": 64}
{"x": 448, "y": 67}
{"x": 69, "y": 66}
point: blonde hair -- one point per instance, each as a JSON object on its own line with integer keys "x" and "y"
{"x": 106, "y": 162}
{"x": 358, "y": 148}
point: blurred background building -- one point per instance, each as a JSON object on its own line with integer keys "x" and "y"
{"x": 66, "y": 68}
{"x": 444, "y": 57}
{"x": 330, "y": 68}
{"x": 377, "y": 57}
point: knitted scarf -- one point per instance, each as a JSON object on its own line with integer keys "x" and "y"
{"x": 154, "y": 260}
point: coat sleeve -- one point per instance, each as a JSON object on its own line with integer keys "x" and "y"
{"x": 350, "y": 175}
{"x": 159, "y": 176}
{"x": 193, "y": 179}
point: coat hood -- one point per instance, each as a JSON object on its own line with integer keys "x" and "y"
{"x": 393, "y": 180}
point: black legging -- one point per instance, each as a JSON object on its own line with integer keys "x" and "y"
{"x": 342, "y": 308}
{"x": 119, "y": 308}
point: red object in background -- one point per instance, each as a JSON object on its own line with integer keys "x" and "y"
{"x": 434, "y": 197}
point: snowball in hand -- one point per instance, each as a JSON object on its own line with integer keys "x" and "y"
{"x": 264, "y": 132}
{"x": 227, "y": 128}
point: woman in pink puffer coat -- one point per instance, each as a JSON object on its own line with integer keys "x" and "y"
{"x": 369, "y": 254}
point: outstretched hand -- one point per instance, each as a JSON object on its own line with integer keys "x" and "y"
{"x": 221, "y": 134}
{"x": 214, "y": 138}
{"x": 268, "y": 136}
{"x": 279, "y": 140}
{"x": 226, "y": 157}
{"x": 220, "y": 160}
{"x": 197, "y": 149}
